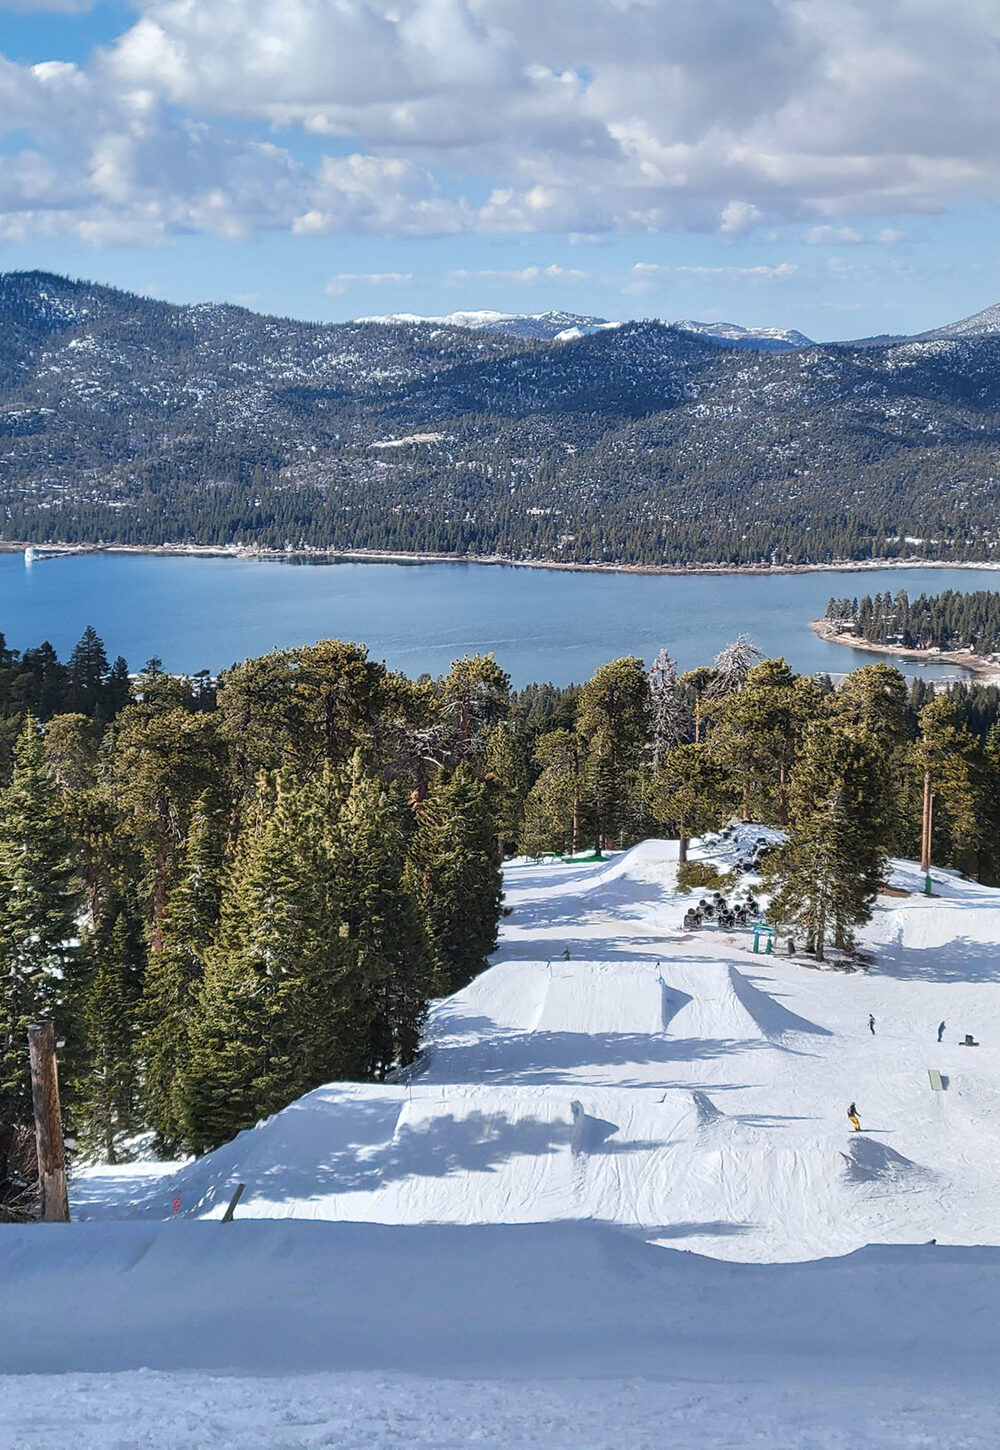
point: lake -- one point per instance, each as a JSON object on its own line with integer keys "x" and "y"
{"x": 542, "y": 624}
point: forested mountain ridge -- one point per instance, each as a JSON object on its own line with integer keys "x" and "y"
{"x": 128, "y": 420}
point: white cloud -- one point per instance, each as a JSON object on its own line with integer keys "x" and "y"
{"x": 344, "y": 281}
{"x": 551, "y": 273}
{"x": 850, "y": 236}
{"x": 776, "y": 273}
{"x": 740, "y": 216}
{"x": 586, "y": 116}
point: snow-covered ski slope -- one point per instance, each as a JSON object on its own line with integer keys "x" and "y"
{"x": 671, "y": 1083}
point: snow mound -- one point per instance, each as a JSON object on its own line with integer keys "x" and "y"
{"x": 869, "y": 1161}
{"x": 497, "y": 1301}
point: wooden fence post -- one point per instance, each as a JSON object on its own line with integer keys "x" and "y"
{"x": 227, "y": 1217}
{"x": 48, "y": 1123}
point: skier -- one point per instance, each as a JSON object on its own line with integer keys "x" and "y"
{"x": 871, "y": 1024}
{"x": 855, "y": 1121}
{"x": 565, "y": 954}
{"x": 940, "y": 1031}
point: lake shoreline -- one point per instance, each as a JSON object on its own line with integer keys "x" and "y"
{"x": 385, "y": 556}
{"x": 986, "y": 671}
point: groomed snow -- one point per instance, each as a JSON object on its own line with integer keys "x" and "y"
{"x": 523, "y": 1206}
{"x": 671, "y": 1083}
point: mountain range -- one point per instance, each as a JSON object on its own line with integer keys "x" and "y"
{"x": 124, "y": 419}
{"x": 568, "y": 326}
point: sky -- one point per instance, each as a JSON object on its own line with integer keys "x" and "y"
{"x": 828, "y": 165}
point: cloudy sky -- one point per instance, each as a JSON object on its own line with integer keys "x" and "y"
{"x": 831, "y": 165}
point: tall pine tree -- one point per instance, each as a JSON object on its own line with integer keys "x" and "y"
{"x": 456, "y": 874}
{"x": 39, "y": 898}
{"x": 265, "y": 1029}
{"x": 108, "y": 1093}
{"x": 387, "y": 973}
{"x": 175, "y": 973}
{"x": 826, "y": 878}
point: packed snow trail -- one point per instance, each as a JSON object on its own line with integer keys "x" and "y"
{"x": 668, "y": 1082}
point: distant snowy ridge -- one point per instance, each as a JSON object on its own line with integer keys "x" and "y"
{"x": 553, "y": 326}
{"x": 556, "y": 326}
{"x": 980, "y": 324}
{"x": 760, "y": 339}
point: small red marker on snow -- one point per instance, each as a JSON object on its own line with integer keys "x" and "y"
{"x": 176, "y": 1206}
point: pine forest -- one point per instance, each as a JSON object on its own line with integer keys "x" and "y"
{"x": 228, "y": 891}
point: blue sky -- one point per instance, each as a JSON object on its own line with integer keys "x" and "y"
{"x": 828, "y": 165}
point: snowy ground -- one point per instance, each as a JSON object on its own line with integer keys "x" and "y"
{"x": 524, "y": 1207}
{"x": 150, "y": 1411}
{"x": 673, "y": 1083}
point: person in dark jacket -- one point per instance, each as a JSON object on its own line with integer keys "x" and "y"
{"x": 855, "y": 1121}
{"x": 940, "y": 1031}
{"x": 871, "y": 1024}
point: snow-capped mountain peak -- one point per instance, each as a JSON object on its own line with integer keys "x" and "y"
{"x": 763, "y": 339}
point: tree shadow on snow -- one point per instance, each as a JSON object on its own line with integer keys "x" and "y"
{"x": 536, "y": 1058}
{"x": 961, "y": 960}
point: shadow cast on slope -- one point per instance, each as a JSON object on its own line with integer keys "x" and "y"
{"x": 433, "y": 1148}
{"x": 961, "y": 960}
{"x": 539, "y": 1058}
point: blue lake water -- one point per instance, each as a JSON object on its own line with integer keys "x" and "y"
{"x": 203, "y": 613}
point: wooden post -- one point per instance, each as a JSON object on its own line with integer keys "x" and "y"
{"x": 227, "y": 1217}
{"x": 925, "y": 843}
{"x": 48, "y": 1124}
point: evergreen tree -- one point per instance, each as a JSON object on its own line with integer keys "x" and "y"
{"x": 758, "y": 733}
{"x": 175, "y": 973}
{"x": 456, "y": 875}
{"x": 39, "y": 898}
{"x": 691, "y": 793}
{"x": 108, "y": 1093}
{"x": 388, "y": 967}
{"x": 698, "y": 683}
{"x": 946, "y": 755}
{"x": 87, "y": 673}
{"x": 556, "y": 811}
{"x": 505, "y": 763}
{"x": 613, "y": 719}
{"x": 265, "y": 1028}
{"x": 475, "y": 694}
{"x": 163, "y": 763}
{"x": 826, "y": 878}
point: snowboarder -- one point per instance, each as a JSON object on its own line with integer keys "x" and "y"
{"x": 565, "y": 954}
{"x": 871, "y": 1024}
{"x": 940, "y": 1031}
{"x": 855, "y": 1121}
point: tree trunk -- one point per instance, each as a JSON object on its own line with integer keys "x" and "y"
{"x": 682, "y": 847}
{"x": 925, "y": 842}
{"x": 48, "y": 1124}
{"x": 576, "y": 805}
